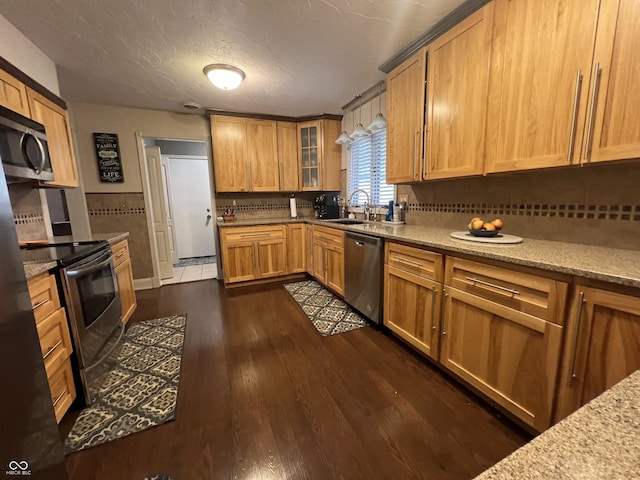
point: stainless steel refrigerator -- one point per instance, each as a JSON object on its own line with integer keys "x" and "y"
{"x": 29, "y": 441}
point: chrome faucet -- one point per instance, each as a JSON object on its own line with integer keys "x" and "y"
{"x": 367, "y": 210}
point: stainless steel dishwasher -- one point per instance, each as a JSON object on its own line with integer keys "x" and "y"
{"x": 363, "y": 274}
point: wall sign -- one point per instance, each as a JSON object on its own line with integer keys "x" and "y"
{"x": 108, "y": 155}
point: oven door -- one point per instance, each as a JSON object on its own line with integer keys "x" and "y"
{"x": 95, "y": 312}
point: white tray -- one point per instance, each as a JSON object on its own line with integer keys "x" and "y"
{"x": 500, "y": 239}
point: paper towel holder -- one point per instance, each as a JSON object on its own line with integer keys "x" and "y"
{"x": 292, "y": 206}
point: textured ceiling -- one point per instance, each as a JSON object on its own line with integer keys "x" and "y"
{"x": 300, "y": 57}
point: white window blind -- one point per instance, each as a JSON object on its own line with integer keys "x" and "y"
{"x": 368, "y": 170}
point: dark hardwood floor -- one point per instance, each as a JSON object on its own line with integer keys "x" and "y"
{"x": 263, "y": 396}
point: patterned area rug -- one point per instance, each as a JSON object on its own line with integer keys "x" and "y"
{"x": 187, "y": 262}
{"x": 328, "y": 313}
{"x": 140, "y": 392}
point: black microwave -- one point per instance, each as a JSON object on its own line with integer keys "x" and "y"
{"x": 23, "y": 148}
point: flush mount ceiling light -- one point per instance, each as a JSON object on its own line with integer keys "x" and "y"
{"x": 379, "y": 123}
{"x": 225, "y": 77}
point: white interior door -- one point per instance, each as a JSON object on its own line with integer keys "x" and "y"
{"x": 166, "y": 183}
{"x": 159, "y": 215}
{"x": 191, "y": 200}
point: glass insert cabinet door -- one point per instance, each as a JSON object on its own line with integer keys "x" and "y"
{"x": 309, "y": 160}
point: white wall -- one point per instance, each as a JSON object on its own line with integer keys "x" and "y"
{"x": 88, "y": 118}
{"x": 22, "y": 53}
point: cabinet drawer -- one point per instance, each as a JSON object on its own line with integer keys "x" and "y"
{"x": 244, "y": 234}
{"x": 329, "y": 236}
{"x": 120, "y": 252}
{"x": 539, "y": 296}
{"x": 44, "y": 296}
{"x": 63, "y": 391}
{"x": 55, "y": 342}
{"x": 414, "y": 260}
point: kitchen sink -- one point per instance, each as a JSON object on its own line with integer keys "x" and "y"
{"x": 348, "y": 222}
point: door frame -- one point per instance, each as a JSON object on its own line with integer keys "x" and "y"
{"x": 154, "y": 282}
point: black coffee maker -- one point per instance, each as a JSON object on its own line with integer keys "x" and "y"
{"x": 327, "y": 205}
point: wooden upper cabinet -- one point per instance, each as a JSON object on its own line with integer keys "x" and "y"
{"x": 405, "y": 112}
{"x": 319, "y": 157}
{"x": 289, "y": 171}
{"x": 58, "y": 128}
{"x": 602, "y": 346}
{"x": 539, "y": 82}
{"x": 613, "y": 131}
{"x": 13, "y": 94}
{"x": 229, "y": 137}
{"x": 262, "y": 155}
{"x": 457, "y": 87}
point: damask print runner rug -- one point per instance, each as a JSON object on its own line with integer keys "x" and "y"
{"x": 328, "y": 313}
{"x": 141, "y": 391}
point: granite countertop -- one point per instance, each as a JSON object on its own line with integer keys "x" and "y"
{"x": 601, "y": 440}
{"x": 35, "y": 264}
{"x": 598, "y": 263}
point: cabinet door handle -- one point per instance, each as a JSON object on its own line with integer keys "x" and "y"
{"x": 479, "y": 282}
{"x": 415, "y": 152}
{"x": 248, "y": 177}
{"x": 253, "y": 234}
{"x": 444, "y": 307}
{"x": 256, "y": 260}
{"x": 120, "y": 254}
{"x": 434, "y": 291}
{"x": 424, "y": 155}
{"x": 592, "y": 110}
{"x": 56, "y": 400}
{"x": 574, "y": 115}
{"x": 39, "y": 304}
{"x": 406, "y": 260}
{"x": 281, "y": 177}
{"x": 572, "y": 362}
{"x": 51, "y": 349}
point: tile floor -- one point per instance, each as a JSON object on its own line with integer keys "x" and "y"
{"x": 192, "y": 273}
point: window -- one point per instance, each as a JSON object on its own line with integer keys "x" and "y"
{"x": 368, "y": 170}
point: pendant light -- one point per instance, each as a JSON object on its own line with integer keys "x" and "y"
{"x": 360, "y": 131}
{"x": 379, "y": 123}
{"x": 344, "y": 138}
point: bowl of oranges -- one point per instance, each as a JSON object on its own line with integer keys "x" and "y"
{"x": 479, "y": 228}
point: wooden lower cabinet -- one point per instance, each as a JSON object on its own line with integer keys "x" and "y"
{"x": 602, "y": 346}
{"x": 253, "y": 253}
{"x": 328, "y": 257}
{"x": 510, "y": 356}
{"x": 271, "y": 258}
{"x": 296, "y": 248}
{"x": 124, "y": 273}
{"x": 55, "y": 341}
{"x": 412, "y": 309}
{"x": 335, "y": 268}
{"x": 239, "y": 262}
{"x": 308, "y": 233}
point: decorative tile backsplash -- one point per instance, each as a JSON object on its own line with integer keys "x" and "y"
{"x": 588, "y": 212}
{"x": 123, "y": 212}
{"x": 27, "y": 211}
{"x": 249, "y": 206}
{"x": 595, "y": 204}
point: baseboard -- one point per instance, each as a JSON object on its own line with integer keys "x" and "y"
{"x": 143, "y": 283}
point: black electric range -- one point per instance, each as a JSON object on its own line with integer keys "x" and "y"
{"x": 63, "y": 253}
